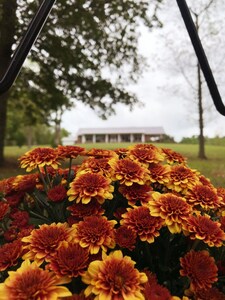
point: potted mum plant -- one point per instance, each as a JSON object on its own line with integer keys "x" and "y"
{"x": 130, "y": 224}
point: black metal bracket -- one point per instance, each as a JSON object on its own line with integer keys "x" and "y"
{"x": 25, "y": 45}
{"x": 203, "y": 61}
{"x": 39, "y": 19}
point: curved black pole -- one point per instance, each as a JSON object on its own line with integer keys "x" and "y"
{"x": 185, "y": 12}
{"x": 25, "y": 45}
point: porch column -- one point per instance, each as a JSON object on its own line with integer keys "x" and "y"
{"x": 83, "y": 139}
{"x": 93, "y": 138}
{"x": 131, "y": 138}
{"x": 142, "y": 138}
{"x": 106, "y": 138}
{"x": 118, "y": 138}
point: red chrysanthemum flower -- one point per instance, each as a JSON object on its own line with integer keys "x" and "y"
{"x": 129, "y": 172}
{"x": 20, "y": 218}
{"x": 145, "y": 154}
{"x": 69, "y": 260}
{"x": 140, "y": 220}
{"x": 173, "y": 156}
{"x": 125, "y": 237}
{"x": 159, "y": 173}
{"x": 171, "y": 208}
{"x": 70, "y": 151}
{"x": 96, "y": 165}
{"x": 32, "y": 282}
{"x": 136, "y": 193}
{"x": 42, "y": 243}
{"x": 11, "y": 234}
{"x": 205, "y": 229}
{"x": 6, "y": 186}
{"x": 80, "y": 210}
{"x": 114, "y": 278}
{"x": 25, "y": 183}
{"x": 39, "y": 157}
{"x": 95, "y": 233}
{"x": 182, "y": 178}
{"x": 88, "y": 186}
{"x": 9, "y": 254}
{"x": 203, "y": 195}
{"x": 15, "y": 199}
{"x": 222, "y": 222}
{"x": 4, "y": 209}
{"x": 57, "y": 194}
{"x": 156, "y": 292}
{"x": 200, "y": 268}
{"x": 210, "y": 294}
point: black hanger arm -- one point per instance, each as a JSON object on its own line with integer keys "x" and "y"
{"x": 25, "y": 45}
{"x": 196, "y": 42}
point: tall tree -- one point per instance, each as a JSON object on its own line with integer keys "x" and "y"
{"x": 207, "y": 18}
{"x": 86, "y": 51}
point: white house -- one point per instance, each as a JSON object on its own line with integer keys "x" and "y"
{"x": 120, "y": 134}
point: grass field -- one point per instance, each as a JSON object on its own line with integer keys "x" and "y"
{"x": 213, "y": 167}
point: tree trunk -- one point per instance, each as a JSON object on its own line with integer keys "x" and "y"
{"x": 201, "y": 139}
{"x": 201, "y": 152}
{"x": 7, "y": 33}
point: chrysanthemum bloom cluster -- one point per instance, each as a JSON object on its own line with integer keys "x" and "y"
{"x": 131, "y": 224}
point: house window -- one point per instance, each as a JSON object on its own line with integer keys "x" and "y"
{"x": 125, "y": 137}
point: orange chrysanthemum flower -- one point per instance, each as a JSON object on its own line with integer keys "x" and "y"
{"x": 115, "y": 277}
{"x": 69, "y": 260}
{"x": 145, "y": 154}
{"x": 32, "y": 282}
{"x": 173, "y": 156}
{"x": 140, "y": 220}
{"x": 101, "y": 153}
{"x": 88, "y": 186}
{"x": 212, "y": 294}
{"x": 121, "y": 152}
{"x": 205, "y": 196}
{"x": 80, "y": 210}
{"x": 42, "y": 243}
{"x": 171, "y": 208}
{"x": 126, "y": 237}
{"x": 94, "y": 165}
{"x": 9, "y": 254}
{"x": 70, "y": 151}
{"x": 39, "y": 157}
{"x": 79, "y": 297}
{"x": 136, "y": 193}
{"x": 159, "y": 173}
{"x": 129, "y": 172}
{"x": 95, "y": 233}
{"x": 57, "y": 194}
{"x": 194, "y": 265}
{"x": 25, "y": 183}
{"x": 182, "y": 178}
{"x": 4, "y": 209}
{"x": 203, "y": 228}
{"x": 221, "y": 193}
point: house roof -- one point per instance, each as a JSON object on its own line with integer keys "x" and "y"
{"x": 122, "y": 130}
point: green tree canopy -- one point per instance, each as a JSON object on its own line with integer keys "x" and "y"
{"x": 86, "y": 52}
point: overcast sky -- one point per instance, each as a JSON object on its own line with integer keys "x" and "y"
{"x": 156, "y": 89}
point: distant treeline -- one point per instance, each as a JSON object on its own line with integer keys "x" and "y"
{"x": 218, "y": 141}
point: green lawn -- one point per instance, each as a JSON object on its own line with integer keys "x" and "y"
{"x": 213, "y": 167}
